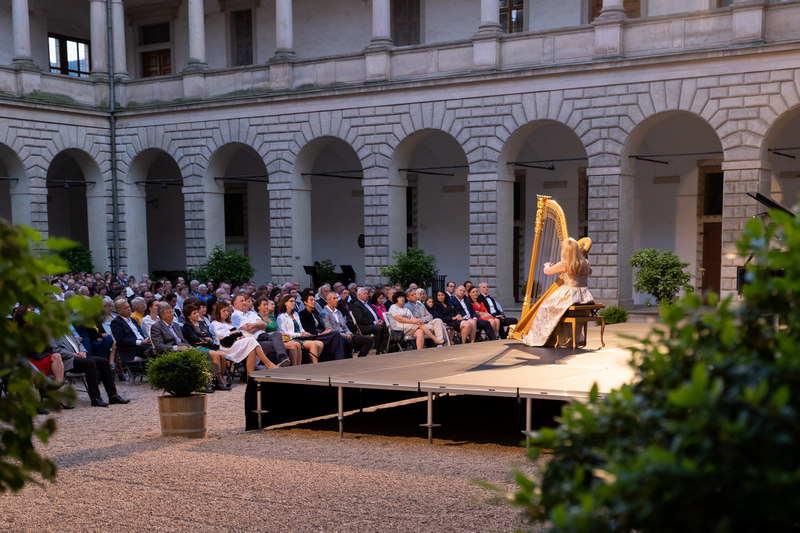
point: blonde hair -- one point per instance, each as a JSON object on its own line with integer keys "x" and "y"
{"x": 572, "y": 257}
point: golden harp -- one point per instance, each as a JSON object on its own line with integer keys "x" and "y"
{"x": 550, "y": 230}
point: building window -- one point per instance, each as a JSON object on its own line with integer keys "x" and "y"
{"x": 405, "y": 22}
{"x": 69, "y": 56}
{"x": 512, "y": 15}
{"x": 633, "y": 8}
{"x": 155, "y": 49}
{"x": 241, "y": 37}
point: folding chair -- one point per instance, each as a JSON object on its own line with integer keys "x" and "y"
{"x": 398, "y": 338}
{"x": 358, "y": 328}
{"x": 71, "y": 377}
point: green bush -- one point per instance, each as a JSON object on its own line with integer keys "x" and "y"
{"x": 180, "y": 373}
{"x": 325, "y": 272}
{"x": 225, "y": 265}
{"x": 78, "y": 258}
{"x": 413, "y": 266}
{"x": 614, "y": 315}
{"x": 660, "y": 274}
{"x": 706, "y": 437}
{"x": 22, "y": 278}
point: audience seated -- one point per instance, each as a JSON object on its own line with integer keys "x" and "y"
{"x": 311, "y": 321}
{"x": 494, "y": 309}
{"x": 464, "y": 307}
{"x": 245, "y": 319}
{"x": 200, "y": 338}
{"x": 335, "y": 322}
{"x": 410, "y": 325}
{"x": 482, "y": 313}
{"x": 458, "y": 320}
{"x": 368, "y": 319}
{"x": 245, "y": 347}
{"x": 289, "y": 324}
{"x": 418, "y": 310}
{"x": 130, "y": 339}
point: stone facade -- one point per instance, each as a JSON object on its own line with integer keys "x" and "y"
{"x": 609, "y": 97}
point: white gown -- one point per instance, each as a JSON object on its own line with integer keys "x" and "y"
{"x": 240, "y": 349}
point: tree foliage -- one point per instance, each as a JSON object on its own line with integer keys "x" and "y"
{"x": 22, "y": 280}
{"x": 180, "y": 373}
{"x": 225, "y": 265}
{"x": 706, "y": 437}
{"x": 78, "y": 258}
{"x": 660, "y": 274}
{"x": 413, "y": 266}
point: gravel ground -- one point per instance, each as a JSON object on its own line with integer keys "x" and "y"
{"x": 116, "y": 473}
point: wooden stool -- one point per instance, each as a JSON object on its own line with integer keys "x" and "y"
{"x": 584, "y": 313}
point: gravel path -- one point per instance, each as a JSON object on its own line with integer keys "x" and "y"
{"x": 116, "y": 473}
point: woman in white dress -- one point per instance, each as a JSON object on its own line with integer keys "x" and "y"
{"x": 574, "y": 291}
{"x": 245, "y": 347}
{"x": 409, "y": 325}
{"x": 289, "y": 325}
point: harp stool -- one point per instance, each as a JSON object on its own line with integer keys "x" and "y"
{"x": 583, "y": 314}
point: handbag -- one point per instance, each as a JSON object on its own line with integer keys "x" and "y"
{"x": 228, "y": 341}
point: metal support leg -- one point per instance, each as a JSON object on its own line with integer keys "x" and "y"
{"x": 528, "y": 423}
{"x": 258, "y": 406}
{"x": 341, "y": 413}
{"x": 430, "y": 425}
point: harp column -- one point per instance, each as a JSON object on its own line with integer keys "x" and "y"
{"x": 611, "y": 223}
{"x": 491, "y": 229}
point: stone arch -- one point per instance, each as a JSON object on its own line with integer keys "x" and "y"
{"x": 429, "y": 175}
{"x": 15, "y": 203}
{"x": 155, "y": 213}
{"x": 544, "y": 157}
{"x": 76, "y": 200}
{"x": 780, "y": 153}
{"x": 671, "y": 190}
{"x": 326, "y": 183}
{"x": 235, "y": 185}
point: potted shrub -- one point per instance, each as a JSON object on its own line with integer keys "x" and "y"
{"x": 181, "y": 375}
{"x": 660, "y": 274}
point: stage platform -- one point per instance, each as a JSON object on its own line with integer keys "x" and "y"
{"x": 506, "y": 368}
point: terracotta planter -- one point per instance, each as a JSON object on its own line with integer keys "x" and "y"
{"x": 183, "y": 417}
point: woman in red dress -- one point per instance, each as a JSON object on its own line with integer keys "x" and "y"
{"x": 483, "y": 313}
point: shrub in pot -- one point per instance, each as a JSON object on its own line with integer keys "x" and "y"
{"x": 181, "y": 375}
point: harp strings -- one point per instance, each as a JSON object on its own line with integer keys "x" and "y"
{"x": 549, "y": 251}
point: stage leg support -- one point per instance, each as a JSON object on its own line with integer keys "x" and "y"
{"x": 528, "y": 422}
{"x": 341, "y": 412}
{"x": 430, "y": 425}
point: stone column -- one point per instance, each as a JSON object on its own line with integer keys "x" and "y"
{"x": 197, "y": 36}
{"x": 378, "y": 60}
{"x": 486, "y": 43}
{"x": 741, "y": 177}
{"x": 490, "y": 17}
{"x": 290, "y": 226}
{"x": 491, "y": 232}
{"x": 20, "y": 17}
{"x": 612, "y": 9}
{"x": 98, "y": 24}
{"x": 118, "y": 36}
{"x": 135, "y": 223}
{"x": 748, "y": 21}
{"x": 608, "y": 35}
{"x": 284, "y": 30}
{"x": 381, "y": 24}
{"x": 611, "y": 230}
{"x": 384, "y": 217}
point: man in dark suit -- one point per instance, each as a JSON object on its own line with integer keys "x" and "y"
{"x": 462, "y": 303}
{"x": 310, "y": 319}
{"x": 368, "y": 321}
{"x": 494, "y": 309}
{"x": 96, "y": 370}
{"x": 130, "y": 339}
